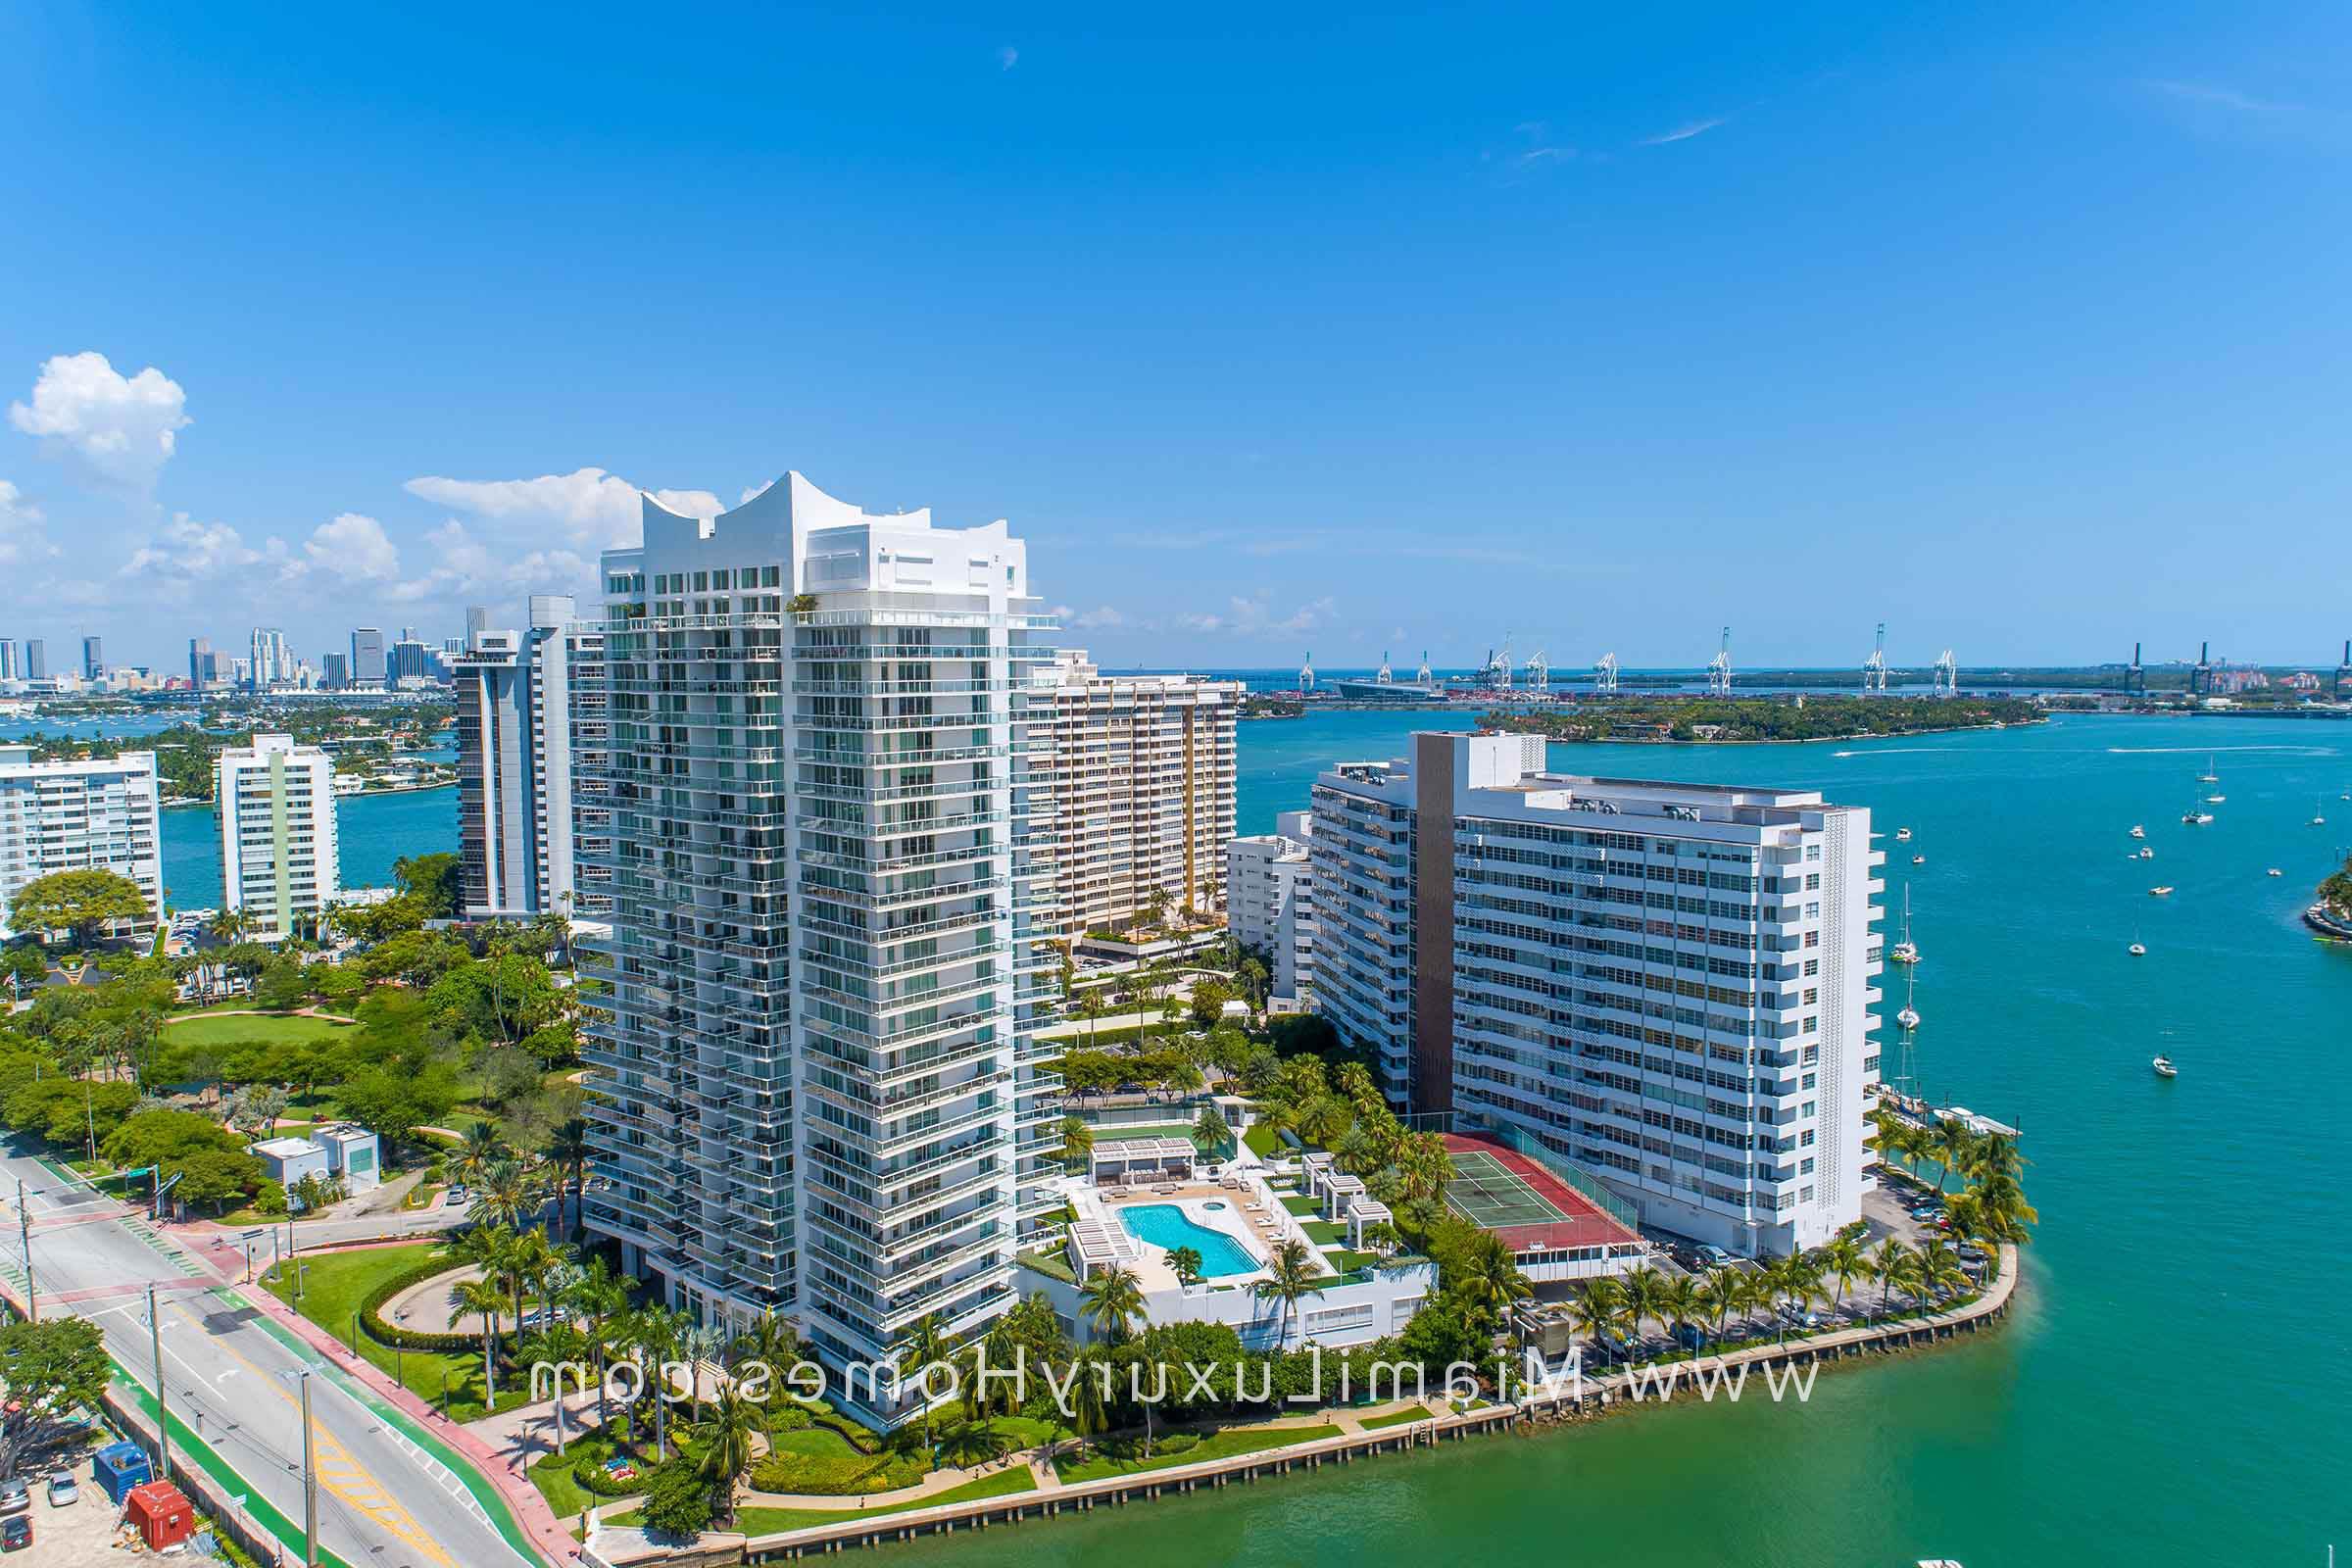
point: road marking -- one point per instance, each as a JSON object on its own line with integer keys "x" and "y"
{"x": 341, "y": 1473}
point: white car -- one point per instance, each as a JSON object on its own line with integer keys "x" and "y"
{"x": 63, "y": 1493}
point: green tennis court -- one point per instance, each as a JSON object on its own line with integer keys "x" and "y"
{"x": 1489, "y": 1194}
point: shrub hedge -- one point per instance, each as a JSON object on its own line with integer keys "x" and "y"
{"x": 395, "y": 1338}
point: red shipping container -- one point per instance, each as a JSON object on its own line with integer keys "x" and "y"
{"x": 162, "y": 1513}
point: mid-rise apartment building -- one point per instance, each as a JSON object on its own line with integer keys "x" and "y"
{"x": 1668, "y": 984}
{"x": 531, "y": 720}
{"x": 276, "y": 801}
{"x": 1269, "y": 904}
{"x": 1145, "y": 782}
{"x": 832, "y": 922}
{"x": 81, "y": 816}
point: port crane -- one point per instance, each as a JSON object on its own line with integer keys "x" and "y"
{"x": 1307, "y": 675}
{"x": 1948, "y": 676}
{"x": 1719, "y": 668}
{"x": 1873, "y": 668}
{"x": 1538, "y": 674}
{"x": 1604, "y": 675}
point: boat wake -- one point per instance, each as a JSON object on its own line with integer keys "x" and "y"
{"x": 1891, "y": 750}
{"x": 2203, "y": 751}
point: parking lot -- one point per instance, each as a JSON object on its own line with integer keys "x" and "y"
{"x": 80, "y": 1536}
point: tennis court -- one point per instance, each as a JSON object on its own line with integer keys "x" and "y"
{"x": 1501, "y": 1190}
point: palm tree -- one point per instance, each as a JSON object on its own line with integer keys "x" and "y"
{"x": 1115, "y": 1301}
{"x": 596, "y": 1298}
{"x": 928, "y": 1344}
{"x": 770, "y": 1342}
{"x": 1679, "y": 1304}
{"x": 1186, "y": 1262}
{"x": 507, "y": 1196}
{"x": 477, "y": 1150}
{"x": 1938, "y": 1268}
{"x": 1492, "y": 1279}
{"x": 654, "y": 1334}
{"x": 726, "y": 1442}
{"x": 1088, "y": 1415}
{"x": 1599, "y": 1309}
{"x": 1950, "y": 1145}
{"x": 1323, "y": 1119}
{"x": 1290, "y": 1274}
{"x": 1210, "y": 1132}
{"x": 1643, "y": 1288}
{"x": 1842, "y": 1256}
{"x": 1077, "y": 1142}
{"x": 1892, "y": 1265}
{"x": 480, "y": 1297}
{"x": 569, "y": 1153}
{"x": 529, "y": 1262}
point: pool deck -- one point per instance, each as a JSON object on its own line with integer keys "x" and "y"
{"x": 1238, "y": 1220}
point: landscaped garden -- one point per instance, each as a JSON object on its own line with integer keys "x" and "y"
{"x": 1125, "y": 1457}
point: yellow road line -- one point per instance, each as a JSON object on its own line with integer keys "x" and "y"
{"x": 342, "y": 1474}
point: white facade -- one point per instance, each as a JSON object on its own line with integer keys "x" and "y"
{"x": 272, "y": 662}
{"x": 531, "y": 721}
{"x": 276, "y": 801}
{"x": 79, "y": 816}
{"x": 1269, "y": 903}
{"x": 831, "y": 923}
{"x": 1669, "y": 985}
{"x": 1144, "y": 771}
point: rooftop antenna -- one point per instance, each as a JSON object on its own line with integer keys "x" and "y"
{"x": 1873, "y": 668}
{"x": 1719, "y": 668}
{"x": 1422, "y": 675}
{"x": 1604, "y": 675}
{"x": 1386, "y": 675}
{"x": 1307, "y": 675}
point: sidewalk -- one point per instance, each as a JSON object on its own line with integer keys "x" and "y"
{"x": 209, "y": 1244}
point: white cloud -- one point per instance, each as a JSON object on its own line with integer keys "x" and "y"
{"x": 118, "y": 430}
{"x": 22, "y": 536}
{"x": 186, "y": 552}
{"x": 1103, "y": 617}
{"x": 1696, "y": 127}
{"x": 1251, "y": 618}
{"x": 1008, "y": 58}
{"x": 752, "y": 492}
{"x": 2198, "y": 93}
{"x": 353, "y": 548}
{"x": 599, "y": 509}
{"x": 464, "y": 567}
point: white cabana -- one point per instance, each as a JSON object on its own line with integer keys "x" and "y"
{"x": 1144, "y": 1160}
{"x": 1362, "y": 1215}
{"x": 1339, "y": 1191}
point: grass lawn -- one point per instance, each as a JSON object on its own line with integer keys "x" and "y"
{"x": 1396, "y": 1418}
{"x": 1181, "y": 1131}
{"x": 774, "y": 1521}
{"x": 551, "y": 1475}
{"x": 1322, "y": 1232}
{"x": 234, "y": 1028}
{"x": 1348, "y": 1262}
{"x": 334, "y": 1284}
{"x": 1265, "y": 1142}
{"x": 1302, "y": 1205}
{"x": 1216, "y": 1445}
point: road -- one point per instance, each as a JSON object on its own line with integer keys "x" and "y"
{"x": 231, "y": 1376}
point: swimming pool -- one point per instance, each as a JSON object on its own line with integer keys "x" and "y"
{"x": 1165, "y": 1225}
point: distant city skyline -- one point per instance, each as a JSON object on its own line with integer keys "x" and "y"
{"x": 2016, "y": 335}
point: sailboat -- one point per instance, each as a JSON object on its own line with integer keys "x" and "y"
{"x": 2196, "y": 815}
{"x": 1906, "y": 951}
{"x": 2318, "y": 814}
{"x": 1909, "y": 1017}
{"x": 2209, "y": 776}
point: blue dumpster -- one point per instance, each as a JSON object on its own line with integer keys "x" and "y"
{"x": 119, "y": 1467}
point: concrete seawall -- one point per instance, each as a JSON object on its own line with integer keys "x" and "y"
{"x": 1589, "y": 1396}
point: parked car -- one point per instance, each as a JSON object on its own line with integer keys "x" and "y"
{"x": 1800, "y": 1317}
{"x": 15, "y": 1496}
{"x": 15, "y": 1533}
{"x": 1716, "y": 1257}
{"x": 63, "y": 1493}
{"x": 459, "y": 1195}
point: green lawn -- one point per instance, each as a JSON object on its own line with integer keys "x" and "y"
{"x": 1182, "y": 1131}
{"x": 1302, "y": 1205}
{"x": 224, "y": 1029}
{"x": 1322, "y": 1232}
{"x": 1265, "y": 1141}
{"x": 1223, "y": 1445}
{"x": 1396, "y": 1418}
{"x": 774, "y": 1521}
{"x": 334, "y": 1284}
{"x": 551, "y": 1475}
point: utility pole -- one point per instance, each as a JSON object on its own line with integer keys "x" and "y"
{"x": 162, "y": 1424}
{"x": 33, "y": 1300}
{"x": 310, "y": 1480}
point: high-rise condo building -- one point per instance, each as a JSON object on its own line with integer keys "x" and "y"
{"x": 1144, "y": 789}
{"x": 1667, "y": 984}
{"x": 336, "y": 675}
{"x": 531, "y": 718}
{"x": 410, "y": 659}
{"x": 276, "y": 801}
{"x": 272, "y": 663}
{"x": 1271, "y": 904}
{"x": 81, "y": 816}
{"x": 368, "y": 664}
{"x": 37, "y": 659}
{"x": 93, "y": 659}
{"x": 477, "y": 621}
{"x": 204, "y": 664}
{"x": 832, "y": 920}
{"x": 8, "y": 659}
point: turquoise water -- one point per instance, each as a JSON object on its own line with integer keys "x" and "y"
{"x": 1165, "y": 1225}
{"x": 370, "y": 832}
{"x": 2173, "y": 1387}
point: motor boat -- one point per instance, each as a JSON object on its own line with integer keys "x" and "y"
{"x": 2195, "y": 819}
{"x": 2161, "y": 892}
{"x": 2148, "y": 855}
{"x": 2138, "y": 949}
{"x": 2275, "y": 871}
{"x": 2139, "y": 832}
{"x": 1919, "y": 859}
{"x": 2165, "y": 1068}
{"x": 1903, "y": 835}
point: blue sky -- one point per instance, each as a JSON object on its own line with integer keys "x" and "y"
{"x": 2021, "y": 328}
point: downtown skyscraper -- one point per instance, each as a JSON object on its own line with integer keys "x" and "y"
{"x": 832, "y": 919}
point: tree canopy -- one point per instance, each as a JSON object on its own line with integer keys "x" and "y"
{"x": 54, "y": 1371}
{"x": 79, "y": 901}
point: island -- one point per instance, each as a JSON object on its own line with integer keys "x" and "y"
{"x": 1810, "y": 718}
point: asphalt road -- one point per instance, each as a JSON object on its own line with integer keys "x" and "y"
{"x": 383, "y": 1499}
